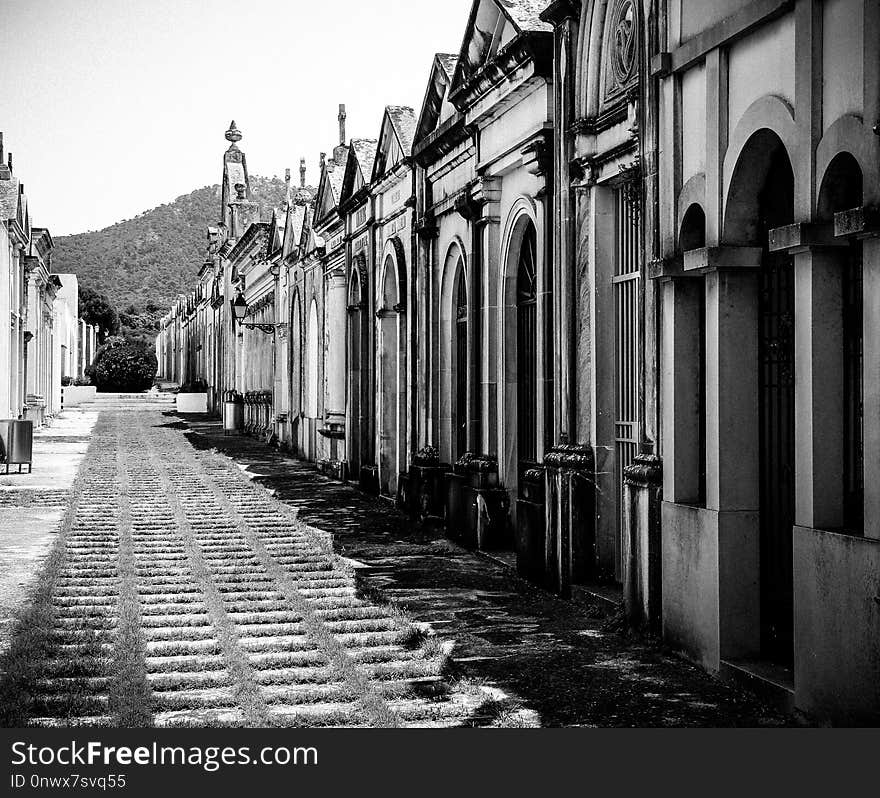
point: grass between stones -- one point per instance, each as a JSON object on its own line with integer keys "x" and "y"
{"x": 181, "y": 593}
{"x": 245, "y": 688}
{"x": 131, "y": 698}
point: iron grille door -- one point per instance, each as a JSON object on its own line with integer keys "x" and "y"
{"x": 627, "y": 288}
{"x": 526, "y": 351}
{"x": 776, "y": 393}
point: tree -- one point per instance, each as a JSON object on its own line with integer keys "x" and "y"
{"x": 122, "y": 365}
{"x": 96, "y": 310}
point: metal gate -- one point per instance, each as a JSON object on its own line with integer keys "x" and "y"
{"x": 627, "y": 301}
{"x": 776, "y": 445}
{"x": 461, "y": 365}
{"x": 526, "y": 351}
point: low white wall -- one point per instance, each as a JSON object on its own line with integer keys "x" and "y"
{"x": 75, "y": 395}
{"x": 192, "y": 403}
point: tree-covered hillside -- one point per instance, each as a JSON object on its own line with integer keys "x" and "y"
{"x": 152, "y": 258}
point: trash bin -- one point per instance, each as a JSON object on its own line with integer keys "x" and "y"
{"x": 233, "y": 412}
{"x": 17, "y": 443}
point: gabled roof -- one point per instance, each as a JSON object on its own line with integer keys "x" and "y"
{"x": 276, "y": 230}
{"x": 9, "y": 199}
{"x": 527, "y": 13}
{"x": 330, "y": 185}
{"x": 492, "y": 25}
{"x": 359, "y": 166}
{"x": 442, "y": 70}
{"x": 293, "y": 230}
{"x": 395, "y": 139}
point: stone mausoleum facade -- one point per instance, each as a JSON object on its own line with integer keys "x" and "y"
{"x": 43, "y": 342}
{"x": 605, "y": 303}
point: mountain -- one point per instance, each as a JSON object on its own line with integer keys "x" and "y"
{"x": 155, "y": 256}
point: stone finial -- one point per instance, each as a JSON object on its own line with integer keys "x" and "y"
{"x": 233, "y": 135}
{"x": 342, "y": 116}
{"x": 302, "y": 172}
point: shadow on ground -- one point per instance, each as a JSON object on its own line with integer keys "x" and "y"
{"x": 541, "y": 653}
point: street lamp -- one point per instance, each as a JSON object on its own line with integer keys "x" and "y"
{"x": 239, "y": 309}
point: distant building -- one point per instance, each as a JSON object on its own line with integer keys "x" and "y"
{"x": 43, "y": 342}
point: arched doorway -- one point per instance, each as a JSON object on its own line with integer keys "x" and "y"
{"x": 356, "y": 318}
{"x": 460, "y": 365}
{"x": 310, "y": 408}
{"x": 527, "y": 350}
{"x": 841, "y": 190}
{"x": 389, "y": 433}
{"x": 762, "y": 199}
{"x": 296, "y": 363}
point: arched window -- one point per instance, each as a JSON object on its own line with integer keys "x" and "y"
{"x": 461, "y": 361}
{"x": 526, "y": 347}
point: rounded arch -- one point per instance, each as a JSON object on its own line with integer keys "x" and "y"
{"x": 841, "y": 187}
{"x": 394, "y": 253}
{"x": 295, "y": 360}
{"x": 523, "y": 211}
{"x": 589, "y": 59}
{"x": 391, "y": 431}
{"x": 848, "y": 135}
{"x": 611, "y": 38}
{"x": 693, "y": 193}
{"x": 455, "y": 366}
{"x": 692, "y": 230}
{"x": 765, "y": 131}
{"x": 522, "y": 360}
{"x": 355, "y": 286}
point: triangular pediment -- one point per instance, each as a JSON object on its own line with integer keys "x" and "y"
{"x": 358, "y": 167}
{"x": 488, "y": 30}
{"x": 353, "y": 180}
{"x": 326, "y": 200}
{"x": 395, "y": 139}
{"x": 492, "y": 25}
{"x": 436, "y": 107}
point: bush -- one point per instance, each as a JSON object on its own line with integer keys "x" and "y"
{"x": 122, "y": 365}
{"x": 65, "y": 381}
{"x": 81, "y": 381}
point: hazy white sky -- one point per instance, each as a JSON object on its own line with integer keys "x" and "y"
{"x": 111, "y": 107}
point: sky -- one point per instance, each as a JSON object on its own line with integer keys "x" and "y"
{"x": 112, "y": 107}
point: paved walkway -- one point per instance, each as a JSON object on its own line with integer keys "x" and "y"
{"x": 180, "y": 593}
{"x": 32, "y": 506}
{"x": 544, "y": 660}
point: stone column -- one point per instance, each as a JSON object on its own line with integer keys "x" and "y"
{"x": 871, "y": 379}
{"x": 681, "y": 367}
{"x": 819, "y": 394}
{"x": 732, "y": 389}
{"x": 486, "y": 196}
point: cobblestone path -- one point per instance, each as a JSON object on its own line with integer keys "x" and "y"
{"x": 180, "y": 593}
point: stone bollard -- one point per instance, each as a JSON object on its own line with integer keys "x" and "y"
{"x": 642, "y": 582}
{"x": 570, "y": 550}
